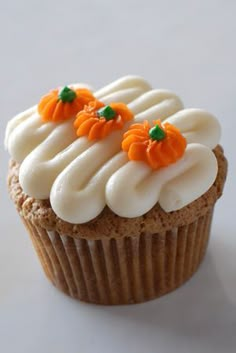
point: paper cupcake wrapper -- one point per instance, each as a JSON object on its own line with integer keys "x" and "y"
{"x": 122, "y": 271}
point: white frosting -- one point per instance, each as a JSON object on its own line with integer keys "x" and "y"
{"x": 81, "y": 177}
{"x": 197, "y": 126}
{"x": 174, "y": 187}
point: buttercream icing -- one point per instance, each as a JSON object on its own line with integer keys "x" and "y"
{"x": 81, "y": 177}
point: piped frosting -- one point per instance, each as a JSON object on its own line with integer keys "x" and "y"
{"x": 82, "y": 175}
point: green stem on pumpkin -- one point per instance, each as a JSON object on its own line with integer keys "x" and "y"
{"x": 106, "y": 112}
{"x": 67, "y": 95}
{"x": 157, "y": 133}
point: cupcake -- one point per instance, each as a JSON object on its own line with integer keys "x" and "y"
{"x": 116, "y": 188}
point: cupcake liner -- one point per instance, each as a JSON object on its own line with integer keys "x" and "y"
{"x": 124, "y": 270}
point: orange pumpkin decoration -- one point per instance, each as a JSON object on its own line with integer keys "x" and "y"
{"x": 158, "y": 146}
{"x": 98, "y": 120}
{"x": 59, "y": 105}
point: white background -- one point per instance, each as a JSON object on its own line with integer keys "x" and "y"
{"x": 186, "y": 46}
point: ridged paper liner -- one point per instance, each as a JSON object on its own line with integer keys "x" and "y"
{"x": 125, "y": 270}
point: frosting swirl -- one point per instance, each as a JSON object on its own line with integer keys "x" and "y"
{"x": 81, "y": 175}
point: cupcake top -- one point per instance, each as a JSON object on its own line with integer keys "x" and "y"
{"x": 126, "y": 146}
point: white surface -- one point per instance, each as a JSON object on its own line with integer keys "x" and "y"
{"x": 186, "y": 46}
